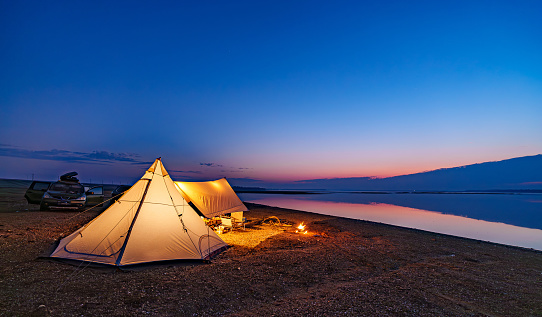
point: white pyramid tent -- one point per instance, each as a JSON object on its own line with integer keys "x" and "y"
{"x": 151, "y": 222}
{"x": 212, "y": 198}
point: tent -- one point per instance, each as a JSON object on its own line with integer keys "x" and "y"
{"x": 212, "y": 198}
{"x": 151, "y": 222}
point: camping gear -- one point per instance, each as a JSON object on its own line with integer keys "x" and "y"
{"x": 69, "y": 177}
{"x": 151, "y": 222}
{"x": 212, "y": 198}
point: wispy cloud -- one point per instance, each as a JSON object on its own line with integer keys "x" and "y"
{"x": 142, "y": 163}
{"x": 8, "y": 145}
{"x": 95, "y": 157}
{"x": 235, "y": 170}
{"x": 186, "y": 172}
{"x": 210, "y": 164}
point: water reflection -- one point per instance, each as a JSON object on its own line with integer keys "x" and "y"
{"x": 498, "y": 216}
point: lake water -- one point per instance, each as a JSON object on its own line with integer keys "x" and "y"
{"x": 512, "y": 219}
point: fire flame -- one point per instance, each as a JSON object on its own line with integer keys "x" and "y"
{"x": 301, "y": 229}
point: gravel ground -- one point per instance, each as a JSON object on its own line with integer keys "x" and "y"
{"x": 340, "y": 267}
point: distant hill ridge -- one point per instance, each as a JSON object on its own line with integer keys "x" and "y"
{"x": 516, "y": 173}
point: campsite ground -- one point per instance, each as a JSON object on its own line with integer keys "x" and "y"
{"x": 340, "y": 267}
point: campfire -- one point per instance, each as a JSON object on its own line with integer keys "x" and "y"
{"x": 300, "y": 228}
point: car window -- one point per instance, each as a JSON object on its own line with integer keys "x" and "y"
{"x": 67, "y": 188}
{"x": 96, "y": 191}
{"x": 41, "y": 186}
{"x": 120, "y": 189}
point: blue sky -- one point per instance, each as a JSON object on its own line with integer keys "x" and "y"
{"x": 274, "y": 91}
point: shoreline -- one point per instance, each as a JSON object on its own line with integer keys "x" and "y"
{"x": 405, "y": 228}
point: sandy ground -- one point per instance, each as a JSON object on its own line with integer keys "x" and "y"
{"x": 341, "y": 267}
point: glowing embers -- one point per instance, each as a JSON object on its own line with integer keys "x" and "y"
{"x": 301, "y": 228}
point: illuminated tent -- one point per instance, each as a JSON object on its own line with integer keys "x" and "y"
{"x": 212, "y": 198}
{"x": 151, "y": 222}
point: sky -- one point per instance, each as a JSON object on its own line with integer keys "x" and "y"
{"x": 276, "y": 91}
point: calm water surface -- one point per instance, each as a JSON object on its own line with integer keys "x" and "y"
{"x": 512, "y": 219}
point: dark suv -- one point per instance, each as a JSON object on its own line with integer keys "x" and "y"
{"x": 67, "y": 193}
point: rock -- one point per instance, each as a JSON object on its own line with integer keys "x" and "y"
{"x": 40, "y": 311}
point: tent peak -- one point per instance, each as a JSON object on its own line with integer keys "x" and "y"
{"x": 152, "y": 169}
